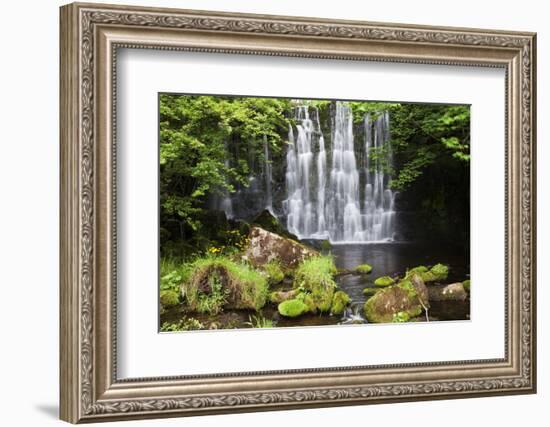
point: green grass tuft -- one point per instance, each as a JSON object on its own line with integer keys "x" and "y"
{"x": 218, "y": 281}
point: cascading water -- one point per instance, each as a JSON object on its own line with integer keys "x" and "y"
{"x": 268, "y": 173}
{"x": 333, "y": 204}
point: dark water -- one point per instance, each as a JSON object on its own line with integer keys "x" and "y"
{"x": 391, "y": 259}
{"x": 387, "y": 259}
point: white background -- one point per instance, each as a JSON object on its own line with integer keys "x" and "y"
{"x": 29, "y": 171}
{"x": 140, "y": 347}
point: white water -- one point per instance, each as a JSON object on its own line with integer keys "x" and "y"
{"x": 351, "y": 202}
{"x": 268, "y": 173}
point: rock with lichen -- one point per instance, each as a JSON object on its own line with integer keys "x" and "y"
{"x": 264, "y": 246}
{"x": 408, "y": 297}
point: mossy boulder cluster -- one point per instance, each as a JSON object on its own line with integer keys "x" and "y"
{"x": 218, "y": 283}
{"x": 408, "y": 297}
{"x": 314, "y": 287}
{"x": 264, "y": 247}
{"x": 437, "y": 273}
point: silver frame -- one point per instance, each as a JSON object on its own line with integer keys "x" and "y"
{"x": 90, "y": 37}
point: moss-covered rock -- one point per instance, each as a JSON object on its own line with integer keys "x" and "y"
{"x": 401, "y": 317}
{"x": 419, "y": 269}
{"x": 218, "y": 282}
{"x": 384, "y": 281}
{"x": 278, "y": 297}
{"x": 466, "y": 285}
{"x": 437, "y": 273}
{"x": 452, "y": 292}
{"x": 363, "y": 269}
{"x": 315, "y": 276}
{"x": 264, "y": 247}
{"x": 408, "y": 296}
{"x": 274, "y": 272}
{"x": 339, "y": 302}
{"x": 292, "y": 308}
{"x": 440, "y": 271}
{"x": 169, "y": 298}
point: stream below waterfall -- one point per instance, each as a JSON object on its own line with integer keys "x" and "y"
{"x": 387, "y": 259}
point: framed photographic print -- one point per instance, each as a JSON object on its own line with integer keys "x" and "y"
{"x": 267, "y": 212}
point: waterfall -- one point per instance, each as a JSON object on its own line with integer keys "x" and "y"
{"x": 268, "y": 173}
{"x": 349, "y": 202}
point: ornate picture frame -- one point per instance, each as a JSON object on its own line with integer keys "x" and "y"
{"x": 90, "y": 37}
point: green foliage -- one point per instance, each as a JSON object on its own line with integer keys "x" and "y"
{"x": 196, "y": 133}
{"x": 314, "y": 276}
{"x": 186, "y": 324}
{"x": 218, "y": 281}
{"x": 417, "y": 270}
{"x": 466, "y": 284}
{"x": 440, "y": 271}
{"x": 325, "y": 245}
{"x": 274, "y": 272}
{"x": 214, "y": 299}
{"x": 292, "y": 308}
{"x": 401, "y": 317}
{"x": 169, "y": 298}
{"x": 259, "y": 322}
{"x": 430, "y": 146}
{"x": 384, "y": 281}
{"x": 363, "y": 269}
{"x": 173, "y": 273}
{"x": 407, "y": 285}
{"x": 339, "y": 302}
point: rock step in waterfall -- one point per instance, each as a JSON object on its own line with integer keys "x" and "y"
{"x": 349, "y": 203}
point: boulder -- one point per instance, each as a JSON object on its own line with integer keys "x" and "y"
{"x": 363, "y": 269}
{"x": 264, "y": 247}
{"x": 452, "y": 292}
{"x": 340, "y": 300}
{"x": 292, "y": 308}
{"x": 278, "y": 297}
{"x": 269, "y": 222}
{"x": 408, "y": 298}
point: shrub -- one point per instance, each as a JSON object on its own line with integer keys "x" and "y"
{"x": 292, "y": 308}
{"x": 274, "y": 272}
{"x": 466, "y": 285}
{"x": 173, "y": 273}
{"x": 169, "y": 298}
{"x": 326, "y": 245}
